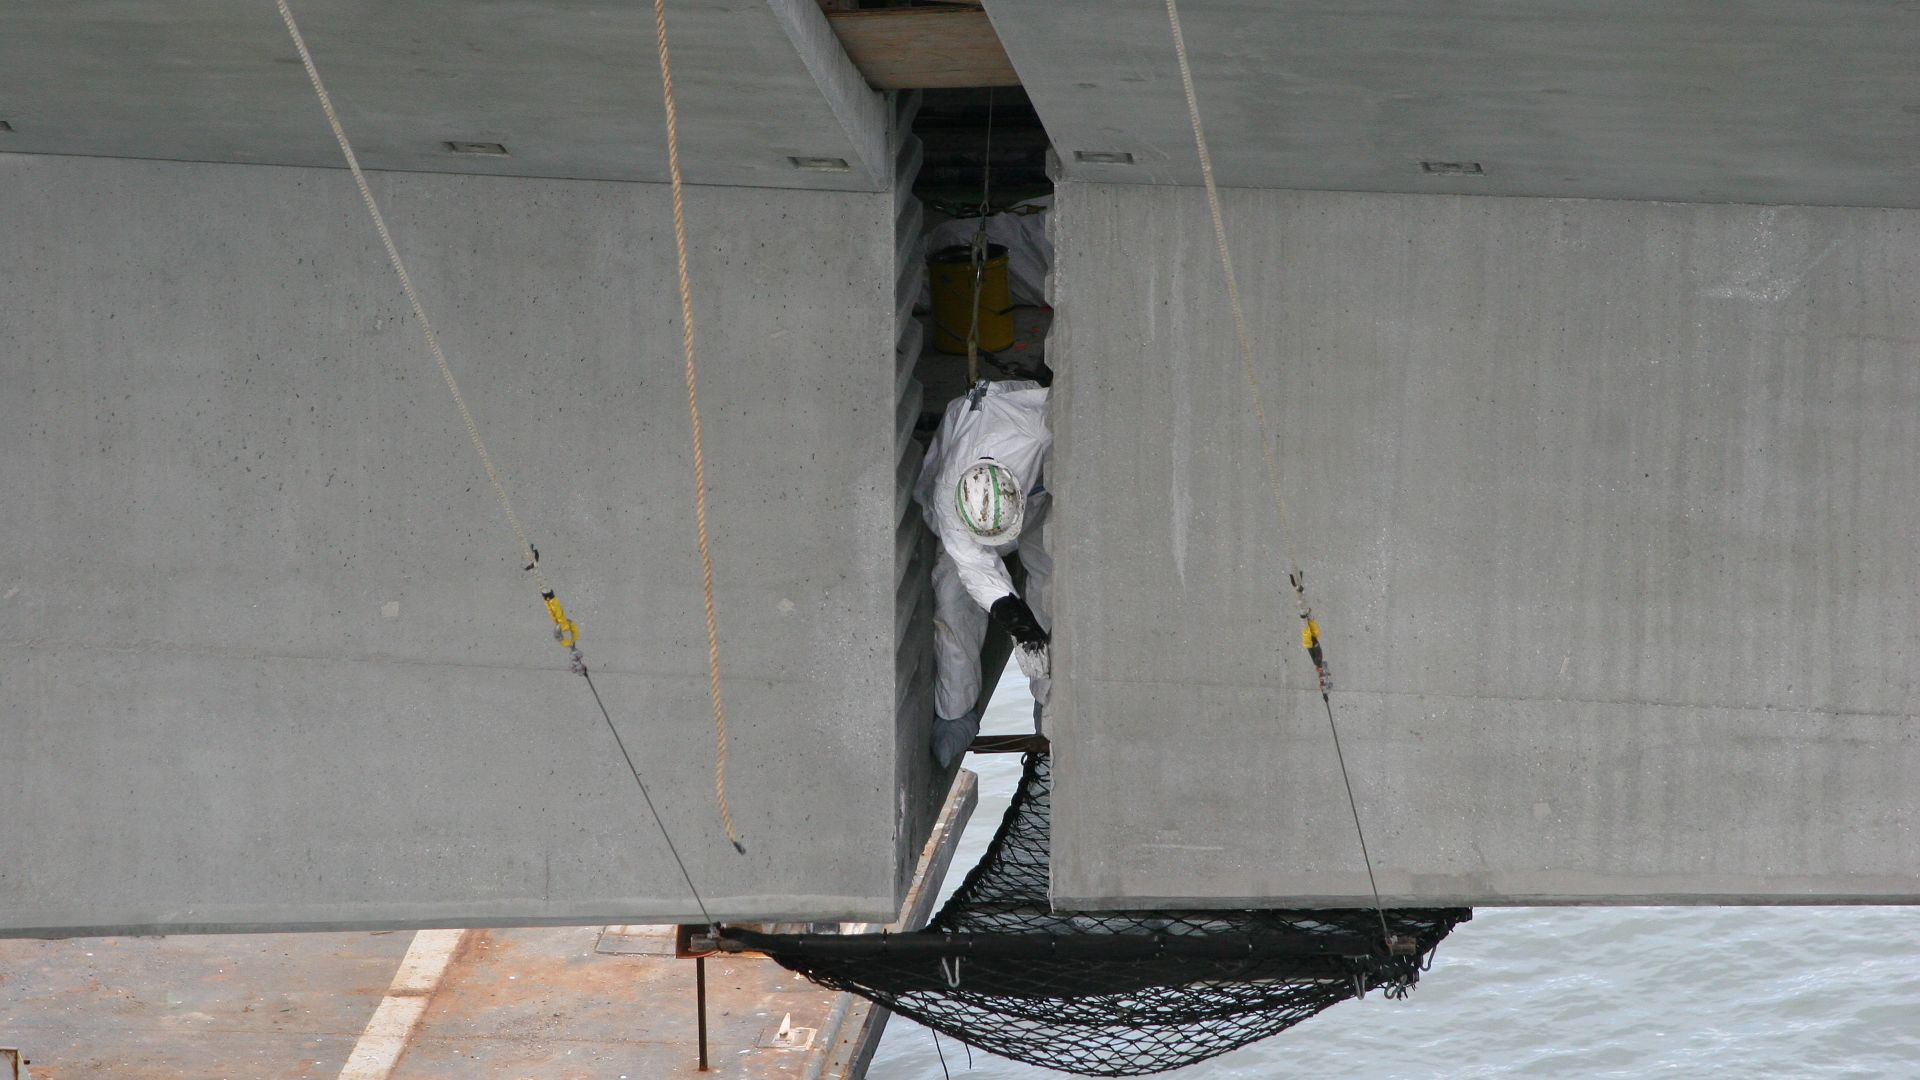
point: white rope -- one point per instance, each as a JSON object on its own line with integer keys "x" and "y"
{"x": 413, "y": 298}
{"x": 564, "y": 627}
{"x": 1267, "y": 441}
{"x": 1233, "y": 281}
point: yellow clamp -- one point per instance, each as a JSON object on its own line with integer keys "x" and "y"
{"x": 1309, "y": 634}
{"x": 564, "y": 630}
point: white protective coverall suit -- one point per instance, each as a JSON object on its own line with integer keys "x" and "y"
{"x": 1007, "y": 422}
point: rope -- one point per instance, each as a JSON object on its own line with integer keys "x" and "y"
{"x": 977, "y": 250}
{"x": 1233, "y": 281}
{"x": 635, "y": 769}
{"x": 1365, "y": 856}
{"x": 413, "y": 298}
{"x": 1310, "y": 630}
{"x": 564, "y": 629}
{"x": 693, "y": 417}
{"x": 943, "y": 1054}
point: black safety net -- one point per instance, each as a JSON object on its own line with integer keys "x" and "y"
{"x": 1109, "y": 993}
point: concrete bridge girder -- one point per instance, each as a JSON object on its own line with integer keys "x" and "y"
{"x": 1607, "y": 511}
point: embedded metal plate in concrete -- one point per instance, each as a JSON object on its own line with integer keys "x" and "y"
{"x": 572, "y": 89}
{"x": 268, "y": 655}
{"x": 1607, "y": 510}
{"x": 1763, "y": 101}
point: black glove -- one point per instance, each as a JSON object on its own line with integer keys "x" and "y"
{"x": 1013, "y": 615}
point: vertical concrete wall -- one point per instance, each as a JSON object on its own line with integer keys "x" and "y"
{"x": 267, "y": 654}
{"x": 1608, "y": 511}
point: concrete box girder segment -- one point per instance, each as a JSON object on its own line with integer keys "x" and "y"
{"x": 571, "y": 89}
{"x": 1758, "y": 101}
{"x": 267, "y": 655}
{"x": 1608, "y": 514}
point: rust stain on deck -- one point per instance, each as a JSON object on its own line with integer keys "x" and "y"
{"x": 513, "y": 1003}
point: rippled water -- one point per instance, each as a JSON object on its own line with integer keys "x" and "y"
{"x": 1565, "y": 992}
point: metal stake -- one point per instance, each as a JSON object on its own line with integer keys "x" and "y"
{"x": 700, "y": 997}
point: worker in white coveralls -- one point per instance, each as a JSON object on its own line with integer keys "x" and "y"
{"x": 981, "y": 493}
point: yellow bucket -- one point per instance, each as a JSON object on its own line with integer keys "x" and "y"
{"x": 951, "y": 273}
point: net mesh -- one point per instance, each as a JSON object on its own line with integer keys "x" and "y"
{"x": 1108, "y": 993}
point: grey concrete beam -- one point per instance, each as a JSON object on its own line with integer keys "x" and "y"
{"x": 572, "y": 90}
{"x": 268, "y": 658}
{"x": 1607, "y": 511}
{"x": 1760, "y": 101}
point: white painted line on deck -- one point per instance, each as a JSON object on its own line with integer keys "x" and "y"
{"x": 394, "y": 1022}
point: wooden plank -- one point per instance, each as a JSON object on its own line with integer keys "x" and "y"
{"x": 856, "y": 1024}
{"x": 917, "y": 48}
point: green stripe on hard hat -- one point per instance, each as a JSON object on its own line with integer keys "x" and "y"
{"x": 996, "y": 514}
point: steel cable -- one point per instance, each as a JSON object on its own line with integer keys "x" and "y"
{"x": 1267, "y": 442}
{"x": 473, "y": 429}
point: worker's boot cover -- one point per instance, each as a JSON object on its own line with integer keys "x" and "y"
{"x": 951, "y": 737}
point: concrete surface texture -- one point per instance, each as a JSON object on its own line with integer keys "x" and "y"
{"x": 572, "y": 89}
{"x": 1763, "y": 101}
{"x": 1607, "y": 510}
{"x": 268, "y": 654}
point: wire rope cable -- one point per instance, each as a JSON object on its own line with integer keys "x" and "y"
{"x": 977, "y": 249}
{"x": 564, "y": 626}
{"x": 693, "y": 418}
{"x": 1311, "y": 637}
{"x": 648, "y": 796}
{"x": 1366, "y": 857}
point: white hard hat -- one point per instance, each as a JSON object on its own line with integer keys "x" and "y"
{"x": 990, "y": 501}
